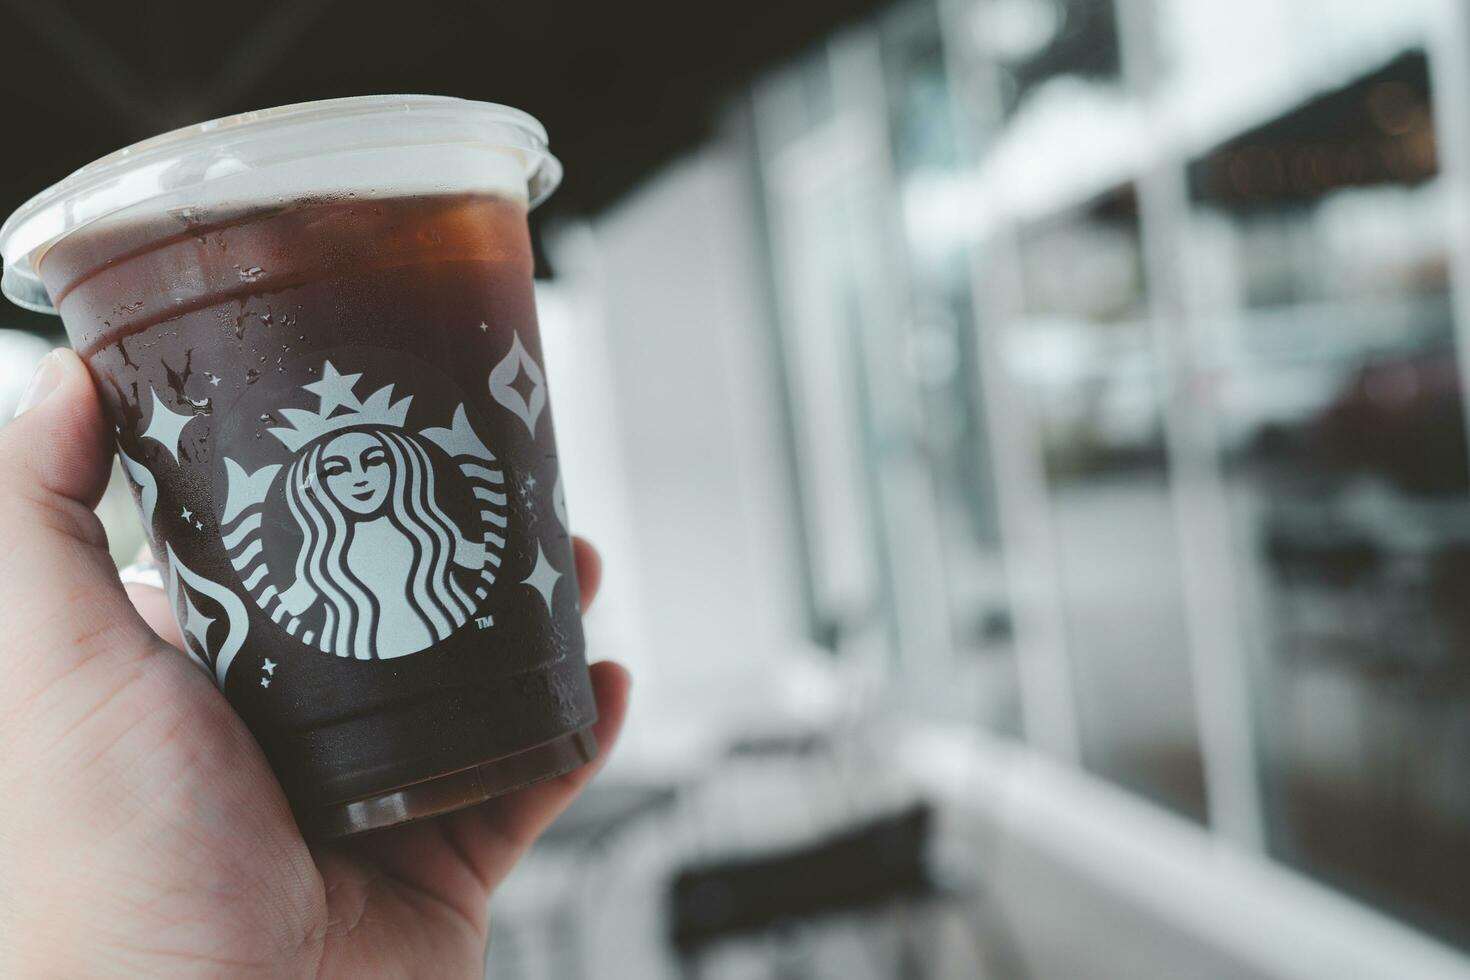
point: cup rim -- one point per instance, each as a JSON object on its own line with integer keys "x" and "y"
{"x": 258, "y": 139}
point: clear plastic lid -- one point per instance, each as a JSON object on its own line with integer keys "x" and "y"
{"x": 377, "y": 144}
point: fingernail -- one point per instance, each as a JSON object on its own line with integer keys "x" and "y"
{"x": 43, "y": 382}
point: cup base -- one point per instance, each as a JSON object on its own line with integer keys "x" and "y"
{"x": 454, "y": 790}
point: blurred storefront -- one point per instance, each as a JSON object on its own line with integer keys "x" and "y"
{"x": 1082, "y": 381}
{"x": 1126, "y": 344}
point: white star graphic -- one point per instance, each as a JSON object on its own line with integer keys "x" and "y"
{"x": 196, "y": 624}
{"x": 503, "y": 377}
{"x": 265, "y": 682}
{"x": 559, "y": 503}
{"x": 484, "y": 326}
{"x": 543, "y": 577}
{"x": 270, "y": 666}
{"x": 335, "y": 389}
{"x": 215, "y": 379}
{"x": 199, "y": 525}
{"x": 531, "y": 482}
{"x": 187, "y": 515}
{"x": 166, "y": 426}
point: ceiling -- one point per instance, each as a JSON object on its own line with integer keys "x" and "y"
{"x": 621, "y": 86}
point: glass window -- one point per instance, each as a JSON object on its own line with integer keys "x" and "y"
{"x": 1322, "y": 270}
{"x": 930, "y": 154}
{"x": 1083, "y": 350}
{"x": 811, "y": 273}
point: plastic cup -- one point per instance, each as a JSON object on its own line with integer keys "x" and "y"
{"x": 314, "y": 331}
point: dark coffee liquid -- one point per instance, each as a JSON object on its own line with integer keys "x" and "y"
{"x": 335, "y": 417}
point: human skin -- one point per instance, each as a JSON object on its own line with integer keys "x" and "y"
{"x": 141, "y": 831}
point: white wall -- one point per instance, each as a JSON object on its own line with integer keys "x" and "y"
{"x": 671, "y": 408}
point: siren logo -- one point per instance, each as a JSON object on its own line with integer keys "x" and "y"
{"x": 365, "y": 536}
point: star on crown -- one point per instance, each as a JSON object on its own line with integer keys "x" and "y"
{"x": 340, "y": 409}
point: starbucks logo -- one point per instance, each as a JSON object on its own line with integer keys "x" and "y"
{"x": 374, "y": 530}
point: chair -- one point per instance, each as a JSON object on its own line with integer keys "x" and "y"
{"x": 866, "y": 867}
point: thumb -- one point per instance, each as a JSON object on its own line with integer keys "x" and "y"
{"x": 61, "y": 604}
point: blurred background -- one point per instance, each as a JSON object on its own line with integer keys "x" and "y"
{"x": 1026, "y": 439}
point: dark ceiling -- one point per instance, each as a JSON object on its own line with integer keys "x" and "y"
{"x": 621, "y": 86}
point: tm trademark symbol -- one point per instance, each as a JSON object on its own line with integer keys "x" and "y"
{"x": 484, "y": 622}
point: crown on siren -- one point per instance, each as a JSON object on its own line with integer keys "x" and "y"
{"x": 340, "y": 409}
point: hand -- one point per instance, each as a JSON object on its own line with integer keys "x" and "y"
{"x": 141, "y": 831}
